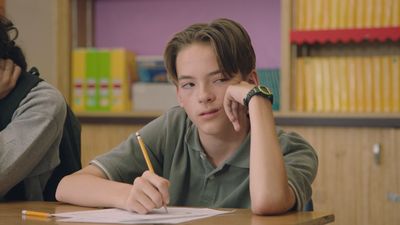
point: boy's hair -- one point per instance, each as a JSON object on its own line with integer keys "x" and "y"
{"x": 8, "y": 49}
{"x": 230, "y": 41}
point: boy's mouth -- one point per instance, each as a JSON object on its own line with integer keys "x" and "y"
{"x": 209, "y": 112}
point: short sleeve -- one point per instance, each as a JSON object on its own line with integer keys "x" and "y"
{"x": 301, "y": 162}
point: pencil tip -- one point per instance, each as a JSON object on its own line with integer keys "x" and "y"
{"x": 137, "y": 134}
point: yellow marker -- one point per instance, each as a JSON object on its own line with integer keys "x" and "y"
{"x": 146, "y": 158}
{"x": 35, "y": 213}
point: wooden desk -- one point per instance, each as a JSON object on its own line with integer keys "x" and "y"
{"x": 10, "y": 214}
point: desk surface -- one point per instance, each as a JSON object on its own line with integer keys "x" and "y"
{"x": 10, "y": 214}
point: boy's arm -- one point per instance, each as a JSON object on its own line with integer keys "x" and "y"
{"x": 269, "y": 188}
{"x": 95, "y": 190}
{"x": 29, "y": 143}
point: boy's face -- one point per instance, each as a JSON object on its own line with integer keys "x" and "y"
{"x": 201, "y": 88}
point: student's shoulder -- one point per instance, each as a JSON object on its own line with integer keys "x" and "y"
{"x": 176, "y": 113}
{"x": 291, "y": 141}
{"x": 44, "y": 97}
{"x": 174, "y": 117}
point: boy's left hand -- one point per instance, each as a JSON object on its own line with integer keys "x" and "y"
{"x": 233, "y": 102}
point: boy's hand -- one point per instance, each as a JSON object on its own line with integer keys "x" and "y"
{"x": 148, "y": 192}
{"x": 9, "y": 73}
{"x": 233, "y": 102}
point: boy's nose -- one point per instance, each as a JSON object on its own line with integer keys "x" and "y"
{"x": 205, "y": 95}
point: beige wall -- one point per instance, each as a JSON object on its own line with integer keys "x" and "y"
{"x": 37, "y": 24}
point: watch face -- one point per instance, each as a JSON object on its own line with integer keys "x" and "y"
{"x": 264, "y": 90}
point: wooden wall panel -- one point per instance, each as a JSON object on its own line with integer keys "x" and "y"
{"x": 98, "y": 139}
{"x": 349, "y": 181}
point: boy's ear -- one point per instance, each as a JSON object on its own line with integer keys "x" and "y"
{"x": 178, "y": 97}
{"x": 253, "y": 78}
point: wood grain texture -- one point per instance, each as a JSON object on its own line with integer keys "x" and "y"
{"x": 349, "y": 182}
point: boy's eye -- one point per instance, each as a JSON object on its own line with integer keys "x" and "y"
{"x": 220, "y": 80}
{"x": 187, "y": 85}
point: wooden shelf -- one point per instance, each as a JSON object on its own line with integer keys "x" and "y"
{"x": 138, "y": 117}
{"x": 338, "y": 119}
{"x": 282, "y": 119}
{"x": 345, "y": 35}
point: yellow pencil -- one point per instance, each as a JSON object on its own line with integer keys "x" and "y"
{"x": 144, "y": 151}
{"x": 35, "y": 213}
{"x": 146, "y": 158}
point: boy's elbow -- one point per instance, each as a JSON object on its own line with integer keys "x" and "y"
{"x": 60, "y": 190}
{"x": 265, "y": 209}
{"x": 273, "y": 206}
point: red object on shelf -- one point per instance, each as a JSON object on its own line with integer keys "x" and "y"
{"x": 345, "y": 35}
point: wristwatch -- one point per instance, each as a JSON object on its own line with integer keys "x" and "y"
{"x": 261, "y": 91}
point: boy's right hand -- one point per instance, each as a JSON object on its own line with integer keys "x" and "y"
{"x": 148, "y": 192}
{"x": 9, "y": 73}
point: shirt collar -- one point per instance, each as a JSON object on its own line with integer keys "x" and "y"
{"x": 240, "y": 157}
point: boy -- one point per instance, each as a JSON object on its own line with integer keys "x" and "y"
{"x": 29, "y": 142}
{"x": 202, "y": 152}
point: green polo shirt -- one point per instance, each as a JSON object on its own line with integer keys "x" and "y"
{"x": 176, "y": 154}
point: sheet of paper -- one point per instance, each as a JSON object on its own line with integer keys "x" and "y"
{"x": 174, "y": 215}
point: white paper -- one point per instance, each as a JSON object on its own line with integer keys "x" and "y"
{"x": 174, "y": 215}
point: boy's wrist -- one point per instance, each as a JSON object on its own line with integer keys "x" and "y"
{"x": 259, "y": 90}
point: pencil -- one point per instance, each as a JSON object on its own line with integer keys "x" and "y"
{"x": 36, "y": 213}
{"x": 144, "y": 151}
{"x": 147, "y": 158}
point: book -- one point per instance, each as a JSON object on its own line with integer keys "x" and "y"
{"x": 299, "y": 14}
{"x": 352, "y": 84}
{"x": 395, "y": 72}
{"x": 325, "y": 20}
{"x": 386, "y": 78}
{"x": 334, "y": 14}
{"x": 343, "y": 84}
{"x": 308, "y": 15}
{"x": 377, "y": 13}
{"x": 335, "y": 80}
{"x": 318, "y": 84}
{"x": 299, "y": 81}
{"x": 377, "y": 81}
{"x": 123, "y": 73}
{"x": 395, "y": 15}
{"x": 92, "y": 88}
{"x": 309, "y": 80}
{"x": 317, "y": 14}
{"x": 151, "y": 69}
{"x": 368, "y": 84}
{"x": 359, "y": 13}
{"x": 103, "y": 79}
{"x": 271, "y": 79}
{"x": 360, "y": 84}
{"x": 327, "y": 85}
{"x": 78, "y": 79}
{"x": 386, "y": 12}
{"x": 350, "y": 21}
{"x": 368, "y": 14}
{"x": 342, "y": 13}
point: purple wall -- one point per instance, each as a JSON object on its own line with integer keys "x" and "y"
{"x": 144, "y": 26}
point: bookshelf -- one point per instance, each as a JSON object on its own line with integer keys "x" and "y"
{"x": 357, "y": 151}
{"x": 351, "y": 44}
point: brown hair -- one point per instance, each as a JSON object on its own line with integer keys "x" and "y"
{"x": 230, "y": 41}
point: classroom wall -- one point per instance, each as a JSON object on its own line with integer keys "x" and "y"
{"x": 144, "y": 26}
{"x": 36, "y": 22}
